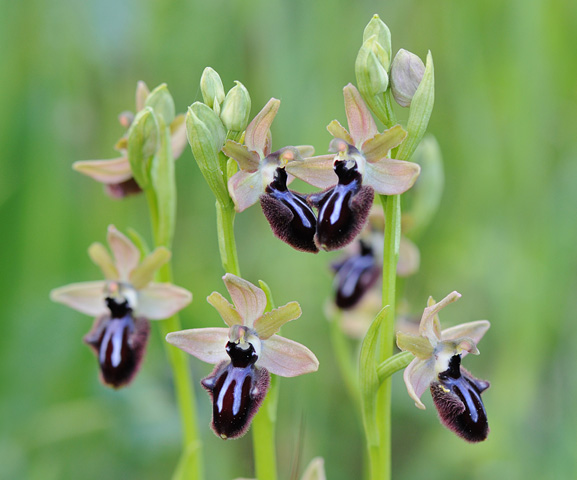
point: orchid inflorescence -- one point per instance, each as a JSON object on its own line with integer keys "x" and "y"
{"x": 236, "y": 158}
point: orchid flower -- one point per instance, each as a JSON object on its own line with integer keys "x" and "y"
{"x": 362, "y": 166}
{"x": 122, "y": 304}
{"x": 264, "y": 176}
{"x": 437, "y": 365}
{"x": 116, "y": 173}
{"x": 244, "y": 353}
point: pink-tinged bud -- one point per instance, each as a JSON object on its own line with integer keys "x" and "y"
{"x": 407, "y": 71}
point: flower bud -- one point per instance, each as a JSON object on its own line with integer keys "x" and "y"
{"x": 236, "y": 108}
{"x": 378, "y": 29}
{"x": 371, "y": 73}
{"x": 162, "y": 103}
{"x": 406, "y": 74}
{"x": 206, "y": 135}
{"x": 143, "y": 143}
{"x": 419, "y": 112}
{"x": 212, "y": 89}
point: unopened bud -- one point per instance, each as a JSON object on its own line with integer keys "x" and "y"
{"x": 371, "y": 74}
{"x": 377, "y": 28}
{"x": 212, "y": 89}
{"x": 407, "y": 72}
{"x": 236, "y": 108}
{"x": 143, "y": 143}
{"x": 162, "y": 103}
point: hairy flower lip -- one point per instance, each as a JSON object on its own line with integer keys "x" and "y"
{"x": 437, "y": 365}
{"x": 249, "y": 326}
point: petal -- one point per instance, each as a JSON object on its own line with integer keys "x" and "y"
{"x": 257, "y": 131}
{"x": 417, "y": 345}
{"x": 100, "y": 256}
{"x": 271, "y": 322}
{"x": 418, "y": 376}
{"x": 247, "y": 159}
{"x": 158, "y": 301}
{"x": 249, "y": 300}
{"x": 317, "y": 171}
{"x": 225, "y": 309}
{"x": 143, "y": 274}
{"x": 286, "y": 358}
{"x": 305, "y": 150}
{"x": 86, "y": 297}
{"x": 361, "y": 123}
{"x": 206, "y": 344}
{"x": 391, "y": 177}
{"x": 125, "y": 252}
{"x": 178, "y": 135}
{"x": 116, "y": 170}
{"x": 472, "y": 330}
{"x": 429, "y": 326}
{"x": 245, "y": 188}
{"x": 381, "y": 144}
{"x": 315, "y": 470}
{"x": 338, "y": 131}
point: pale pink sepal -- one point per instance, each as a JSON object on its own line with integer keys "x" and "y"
{"x": 126, "y": 255}
{"x": 418, "y": 376}
{"x": 258, "y": 130}
{"x": 116, "y": 170}
{"x": 287, "y": 358}
{"x": 158, "y": 301}
{"x": 391, "y": 177}
{"x": 361, "y": 123}
{"x": 245, "y": 188}
{"x": 430, "y": 326}
{"x": 178, "y": 140}
{"x": 316, "y": 171}
{"x": 271, "y": 322}
{"x": 225, "y": 309}
{"x": 206, "y": 344}
{"x": 86, "y": 297}
{"x": 248, "y": 299}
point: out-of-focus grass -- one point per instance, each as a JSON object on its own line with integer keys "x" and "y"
{"x": 505, "y": 236}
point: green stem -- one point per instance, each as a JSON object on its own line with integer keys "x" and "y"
{"x": 263, "y": 435}
{"x": 392, "y": 209}
{"x": 190, "y": 463}
{"x": 226, "y": 242}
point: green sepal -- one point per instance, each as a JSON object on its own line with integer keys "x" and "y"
{"x": 419, "y": 111}
{"x": 143, "y": 142}
{"x": 206, "y": 135}
{"x": 369, "y": 379}
{"x": 161, "y": 101}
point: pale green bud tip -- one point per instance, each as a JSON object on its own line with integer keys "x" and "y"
{"x": 407, "y": 72}
{"x": 236, "y": 108}
{"x": 376, "y": 27}
{"x": 160, "y": 100}
{"x": 211, "y": 88}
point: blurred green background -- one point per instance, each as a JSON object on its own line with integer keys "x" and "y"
{"x": 505, "y": 236}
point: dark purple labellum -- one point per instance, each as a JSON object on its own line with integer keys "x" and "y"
{"x": 289, "y": 215}
{"x": 355, "y": 276}
{"x": 237, "y": 394}
{"x": 457, "y": 397}
{"x": 119, "y": 341}
{"x": 123, "y": 189}
{"x": 343, "y": 209}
